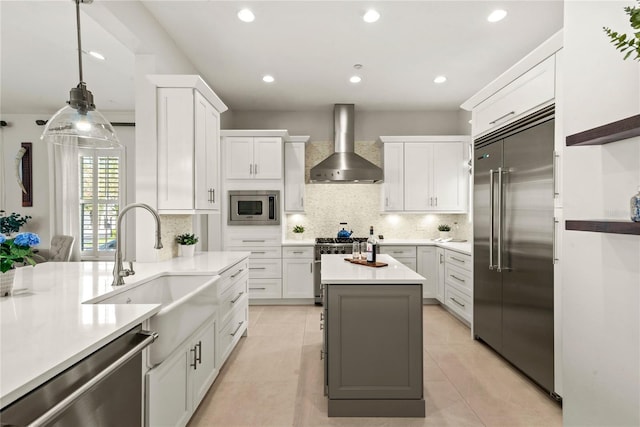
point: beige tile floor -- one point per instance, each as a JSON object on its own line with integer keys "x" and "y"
{"x": 274, "y": 378}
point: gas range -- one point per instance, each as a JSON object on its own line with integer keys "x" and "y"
{"x": 335, "y": 245}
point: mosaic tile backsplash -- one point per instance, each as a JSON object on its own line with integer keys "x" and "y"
{"x": 172, "y": 225}
{"x": 359, "y": 205}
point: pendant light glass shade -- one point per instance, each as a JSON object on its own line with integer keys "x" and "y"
{"x": 79, "y": 123}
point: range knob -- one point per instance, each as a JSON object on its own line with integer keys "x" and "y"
{"x": 343, "y": 251}
{"x": 322, "y": 251}
{"x": 335, "y": 250}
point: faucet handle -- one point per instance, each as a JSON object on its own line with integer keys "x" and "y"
{"x": 130, "y": 269}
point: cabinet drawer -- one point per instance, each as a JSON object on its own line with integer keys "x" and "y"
{"x": 230, "y": 276}
{"x": 232, "y": 298}
{"x": 409, "y": 262}
{"x": 532, "y": 89}
{"x": 459, "y": 260}
{"x": 297, "y": 252}
{"x": 263, "y": 251}
{"x": 231, "y": 333}
{"x": 398, "y": 251}
{"x": 244, "y": 241}
{"x": 265, "y": 268}
{"x": 458, "y": 277}
{"x": 265, "y": 288}
{"x": 458, "y": 302}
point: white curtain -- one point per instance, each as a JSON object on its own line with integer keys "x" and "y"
{"x": 64, "y": 191}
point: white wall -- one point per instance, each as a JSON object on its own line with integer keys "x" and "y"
{"x": 601, "y": 272}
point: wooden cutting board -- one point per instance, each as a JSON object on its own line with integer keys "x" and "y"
{"x": 364, "y": 262}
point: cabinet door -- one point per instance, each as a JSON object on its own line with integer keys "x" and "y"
{"x": 267, "y": 158}
{"x": 168, "y": 394}
{"x": 427, "y": 269}
{"x": 294, "y": 177}
{"x": 205, "y": 357}
{"x": 417, "y": 176}
{"x": 449, "y": 189}
{"x": 393, "y": 187}
{"x": 441, "y": 263}
{"x": 239, "y": 157}
{"x": 175, "y": 148}
{"x": 297, "y": 280}
{"x": 207, "y": 166}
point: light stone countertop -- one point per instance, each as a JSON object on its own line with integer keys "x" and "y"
{"x": 45, "y": 327}
{"x": 337, "y": 271}
{"x": 462, "y": 247}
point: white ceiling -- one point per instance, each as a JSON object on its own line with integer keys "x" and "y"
{"x": 310, "y": 48}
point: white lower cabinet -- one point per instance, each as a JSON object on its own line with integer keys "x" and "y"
{"x": 427, "y": 268}
{"x": 458, "y": 284}
{"x": 297, "y": 272}
{"x": 176, "y": 386}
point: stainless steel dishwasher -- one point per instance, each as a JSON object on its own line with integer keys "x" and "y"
{"x": 104, "y": 389}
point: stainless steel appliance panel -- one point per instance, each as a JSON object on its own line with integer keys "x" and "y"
{"x": 487, "y": 305}
{"x": 527, "y": 290}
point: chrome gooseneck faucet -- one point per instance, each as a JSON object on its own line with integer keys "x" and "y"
{"x": 119, "y": 273}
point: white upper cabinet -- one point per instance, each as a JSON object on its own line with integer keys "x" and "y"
{"x": 253, "y": 157}
{"x": 188, "y": 144}
{"x": 426, "y": 174}
{"x": 294, "y": 170}
{"x": 393, "y": 187}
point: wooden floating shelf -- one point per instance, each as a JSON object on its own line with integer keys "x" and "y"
{"x": 611, "y": 132}
{"x": 604, "y": 226}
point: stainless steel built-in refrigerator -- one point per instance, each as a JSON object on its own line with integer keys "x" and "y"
{"x": 513, "y": 244}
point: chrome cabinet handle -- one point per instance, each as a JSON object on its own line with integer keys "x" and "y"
{"x": 441, "y": 258}
{"x": 556, "y": 156}
{"x": 297, "y": 252}
{"x": 253, "y": 241}
{"x": 321, "y": 354}
{"x": 257, "y": 268}
{"x": 555, "y": 240}
{"x": 310, "y": 267}
{"x": 502, "y": 117}
{"x": 212, "y": 195}
{"x": 233, "y": 276}
{"x": 61, "y": 406}
{"x": 233, "y": 334}
{"x": 456, "y": 301}
{"x": 258, "y": 252}
{"x": 233, "y": 301}
{"x": 302, "y": 201}
{"x": 250, "y": 169}
{"x": 199, "y": 353}
{"x": 257, "y": 289}
{"x": 193, "y": 364}
{"x": 458, "y": 259}
{"x": 255, "y": 169}
{"x": 430, "y": 201}
{"x": 457, "y": 278}
{"x": 436, "y": 200}
{"x": 386, "y": 201}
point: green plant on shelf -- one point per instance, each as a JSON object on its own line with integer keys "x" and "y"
{"x": 298, "y": 229}
{"x": 628, "y": 44}
{"x": 444, "y": 227}
{"x": 186, "y": 239}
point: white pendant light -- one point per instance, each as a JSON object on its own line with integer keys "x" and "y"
{"x": 79, "y": 123}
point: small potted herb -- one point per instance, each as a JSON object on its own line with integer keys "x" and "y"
{"x": 297, "y": 231}
{"x": 186, "y": 244}
{"x": 444, "y": 230}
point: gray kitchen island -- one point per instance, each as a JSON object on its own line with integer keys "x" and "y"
{"x": 372, "y": 344}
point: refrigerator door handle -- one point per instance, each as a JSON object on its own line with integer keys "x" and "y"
{"x": 491, "y": 216}
{"x": 555, "y": 240}
{"x": 500, "y": 215}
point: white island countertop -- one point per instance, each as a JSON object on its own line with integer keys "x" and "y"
{"x": 337, "y": 271}
{"x": 45, "y": 327}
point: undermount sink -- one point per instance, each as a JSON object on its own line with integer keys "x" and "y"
{"x": 187, "y": 301}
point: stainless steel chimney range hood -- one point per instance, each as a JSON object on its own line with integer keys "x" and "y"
{"x": 344, "y": 165}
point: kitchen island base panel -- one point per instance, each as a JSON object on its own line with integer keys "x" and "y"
{"x": 377, "y": 408}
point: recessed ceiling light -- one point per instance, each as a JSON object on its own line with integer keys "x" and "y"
{"x": 96, "y": 55}
{"x": 440, "y": 79}
{"x": 355, "y": 79}
{"x": 245, "y": 15}
{"x": 371, "y": 16}
{"x": 497, "y": 15}
{"x": 268, "y": 78}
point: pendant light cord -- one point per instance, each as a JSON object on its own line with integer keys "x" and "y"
{"x": 79, "y": 40}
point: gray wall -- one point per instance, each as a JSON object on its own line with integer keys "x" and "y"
{"x": 369, "y": 125}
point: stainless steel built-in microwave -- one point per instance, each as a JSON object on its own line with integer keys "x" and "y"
{"x": 254, "y": 207}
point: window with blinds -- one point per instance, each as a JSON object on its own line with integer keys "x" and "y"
{"x": 100, "y": 197}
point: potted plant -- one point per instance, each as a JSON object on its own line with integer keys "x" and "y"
{"x": 297, "y": 231}
{"x": 15, "y": 251}
{"x": 444, "y": 230}
{"x": 186, "y": 244}
{"x": 12, "y": 223}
